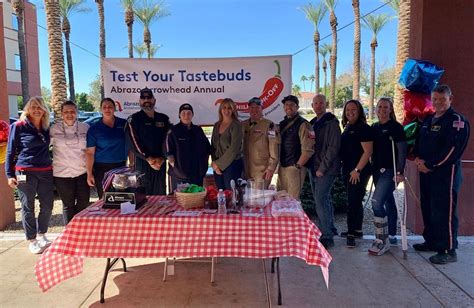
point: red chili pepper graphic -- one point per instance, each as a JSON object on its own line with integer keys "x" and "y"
{"x": 272, "y": 89}
{"x": 119, "y": 106}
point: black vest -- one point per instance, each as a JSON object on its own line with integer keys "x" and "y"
{"x": 290, "y": 150}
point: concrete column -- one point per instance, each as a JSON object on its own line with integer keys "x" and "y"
{"x": 7, "y": 206}
{"x": 442, "y": 32}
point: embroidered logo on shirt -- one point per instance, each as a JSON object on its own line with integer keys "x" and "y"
{"x": 435, "y": 128}
{"x": 271, "y": 134}
{"x": 159, "y": 124}
{"x": 311, "y": 135}
{"x": 458, "y": 124}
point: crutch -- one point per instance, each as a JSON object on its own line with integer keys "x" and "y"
{"x": 401, "y": 208}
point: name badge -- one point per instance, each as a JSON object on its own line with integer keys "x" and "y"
{"x": 21, "y": 178}
{"x": 458, "y": 124}
{"x": 435, "y": 128}
{"x": 271, "y": 134}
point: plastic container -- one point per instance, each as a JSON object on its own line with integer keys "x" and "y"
{"x": 221, "y": 201}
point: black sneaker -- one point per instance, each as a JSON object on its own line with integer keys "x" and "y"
{"x": 444, "y": 257}
{"x": 356, "y": 234}
{"x": 327, "y": 243}
{"x": 423, "y": 247}
{"x": 351, "y": 242}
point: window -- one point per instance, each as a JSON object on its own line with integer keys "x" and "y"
{"x": 14, "y": 22}
{"x": 17, "y": 62}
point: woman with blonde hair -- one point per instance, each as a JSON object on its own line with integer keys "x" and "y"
{"x": 28, "y": 168}
{"x": 226, "y": 142}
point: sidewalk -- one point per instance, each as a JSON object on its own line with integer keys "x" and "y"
{"x": 356, "y": 280}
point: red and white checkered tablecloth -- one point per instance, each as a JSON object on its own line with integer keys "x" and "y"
{"x": 149, "y": 234}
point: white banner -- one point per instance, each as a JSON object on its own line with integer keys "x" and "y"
{"x": 201, "y": 83}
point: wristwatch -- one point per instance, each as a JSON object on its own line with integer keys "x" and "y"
{"x": 297, "y": 166}
{"x": 356, "y": 170}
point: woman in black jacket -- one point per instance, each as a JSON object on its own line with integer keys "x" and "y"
{"x": 355, "y": 152}
{"x": 187, "y": 150}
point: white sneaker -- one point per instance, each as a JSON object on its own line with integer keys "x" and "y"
{"x": 379, "y": 247}
{"x": 35, "y": 247}
{"x": 43, "y": 241}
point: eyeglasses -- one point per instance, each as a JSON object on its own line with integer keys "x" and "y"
{"x": 146, "y": 97}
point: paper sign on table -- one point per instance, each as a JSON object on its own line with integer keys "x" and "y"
{"x": 127, "y": 208}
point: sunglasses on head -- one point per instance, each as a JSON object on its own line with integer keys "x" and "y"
{"x": 146, "y": 96}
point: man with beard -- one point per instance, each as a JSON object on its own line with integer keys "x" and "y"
{"x": 296, "y": 148}
{"x": 146, "y": 133}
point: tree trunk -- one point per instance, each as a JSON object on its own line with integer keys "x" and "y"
{"x": 403, "y": 45}
{"x": 325, "y": 80}
{"x": 70, "y": 71}
{"x": 147, "y": 40}
{"x": 19, "y": 7}
{"x": 333, "y": 61}
{"x": 56, "y": 57}
{"x": 316, "y": 60}
{"x": 100, "y": 9}
{"x": 373, "y": 45}
{"x": 356, "y": 80}
{"x": 129, "y": 21}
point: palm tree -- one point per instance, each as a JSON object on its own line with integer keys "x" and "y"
{"x": 100, "y": 10}
{"x": 303, "y": 79}
{"x": 311, "y": 78}
{"x": 19, "y": 9}
{"x": 403, "y": 10}
{"x": 67, "y": 7}
{"x": 296, "y": 90}
{"x": 324, "y": 51}
{"x": 356, "y": 78}
{"x": 141, "y": 49}
{"x": 374, "y": 23}
{"x": 56, "y": 57}
{"x": 129, "y": 19}
{"x": 315, "y": 14}
{"x": 331, "y": 5}
{"x": 147, "y": 12}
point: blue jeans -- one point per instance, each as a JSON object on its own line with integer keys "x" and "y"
{"x": 321, "y": 188}
{"x": 41, "y": 183}
{"x": 383, "y": 202}
{"x": 233, "y": 172}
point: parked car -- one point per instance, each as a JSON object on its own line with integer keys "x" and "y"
{"x": 84, "y": 115}
{"x": 93, "y": 120}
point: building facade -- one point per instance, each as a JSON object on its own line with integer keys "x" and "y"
{"x": 9, "y": 36}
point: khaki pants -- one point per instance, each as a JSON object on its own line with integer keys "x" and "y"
{"x": 291, "y": 179}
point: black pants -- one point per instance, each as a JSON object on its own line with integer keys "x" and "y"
{"x": 355, "y": 197}
{"x": 154, "y": 180}
{"x": 439, "y": 195}
{"x": 74, "y": 193}
{"x": 99, "y": 170}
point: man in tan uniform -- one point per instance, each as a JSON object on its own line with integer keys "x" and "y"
{"x": 296, "y": 148}
{"x": 260, "y": 144}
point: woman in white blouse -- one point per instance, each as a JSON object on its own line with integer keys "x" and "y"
{"x": 68, "y": 138}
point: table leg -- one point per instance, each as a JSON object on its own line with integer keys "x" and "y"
{"x": 273, "y": 265}
{"x": 108, "y": 267}
{"x": 278, "y": 278}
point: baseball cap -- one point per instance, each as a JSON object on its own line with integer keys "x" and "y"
{"x": 291, "y": 98}
{"x": 146, "y": 92}
{"x": 186, "y": 107}
{"x": 255, "y": 100}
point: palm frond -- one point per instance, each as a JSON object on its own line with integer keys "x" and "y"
{"x": 375, "y": 22}
{"x": 67, "y": 7}
{"x": 315, "y": 14}
{"x": 148, "y": 11}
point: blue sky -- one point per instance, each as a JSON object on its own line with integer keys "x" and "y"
{"x": 219, "y": 28}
